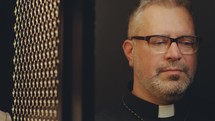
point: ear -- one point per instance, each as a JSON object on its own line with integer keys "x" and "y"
{"x": 128, "y": 49}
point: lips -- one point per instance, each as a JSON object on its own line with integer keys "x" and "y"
{"x": 172, "y": 69}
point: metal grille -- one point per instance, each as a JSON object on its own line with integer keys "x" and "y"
{"x": 36, "y": 61}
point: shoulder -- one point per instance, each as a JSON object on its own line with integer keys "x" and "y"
{"x": 4, "y": 116}
{"x": 202, "y": 103}
{"x": 202, "y": 109}
{"x": 115, "y": 113}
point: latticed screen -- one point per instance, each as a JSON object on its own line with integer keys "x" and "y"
{"x": 36, "y": 61}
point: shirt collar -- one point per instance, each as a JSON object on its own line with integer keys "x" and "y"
{"x": 166, "y": 111}
{"x": 150, "y": 110}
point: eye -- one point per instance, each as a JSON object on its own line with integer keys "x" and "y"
{"x": 189, "y": 42}
{"x": 159, "y": 41}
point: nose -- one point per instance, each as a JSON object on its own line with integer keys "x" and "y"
{"x": 173, "y": 53}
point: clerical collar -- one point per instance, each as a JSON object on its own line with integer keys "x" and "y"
{"x": 166, "y": 111}
{"x": 151, "y": 111}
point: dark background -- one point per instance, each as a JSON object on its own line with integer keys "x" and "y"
{"x": 112, "y": 72}
{"x": 6, "y": 54}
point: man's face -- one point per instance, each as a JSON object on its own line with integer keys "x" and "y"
{"x": 166, "y": 75}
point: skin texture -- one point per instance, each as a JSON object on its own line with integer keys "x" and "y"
{"x": 161, "y": 78}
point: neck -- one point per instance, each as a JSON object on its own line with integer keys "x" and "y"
{"x": 145, "y": 95}
{"x": 142, "y": 93}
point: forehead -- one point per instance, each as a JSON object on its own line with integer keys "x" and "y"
{"x": 173, "y": 21}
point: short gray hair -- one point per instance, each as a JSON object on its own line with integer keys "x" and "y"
{"x": 134, "y": 20}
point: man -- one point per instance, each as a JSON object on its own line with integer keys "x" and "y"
{"x": 4, "y": 116}
{"x": 162, "y": 50}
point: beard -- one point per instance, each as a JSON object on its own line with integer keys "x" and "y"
{"x": 169, "y": 87}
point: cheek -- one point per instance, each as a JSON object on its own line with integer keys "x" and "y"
{"x": 147, "y": 62}
{"x": 191, "y": 63}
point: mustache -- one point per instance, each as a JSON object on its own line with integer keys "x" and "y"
{"x": 173, "y": 65}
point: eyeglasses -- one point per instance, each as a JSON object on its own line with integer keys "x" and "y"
{"x": 160, "y": 43}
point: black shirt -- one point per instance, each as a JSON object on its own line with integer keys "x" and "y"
{"x": 132, "y": 108}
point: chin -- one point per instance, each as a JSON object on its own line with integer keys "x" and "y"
{"x": 175, "y": 95}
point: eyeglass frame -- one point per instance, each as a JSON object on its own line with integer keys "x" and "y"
{"x": 147, "y": 38}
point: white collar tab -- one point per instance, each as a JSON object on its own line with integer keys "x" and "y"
{"x": 166, "y": 111}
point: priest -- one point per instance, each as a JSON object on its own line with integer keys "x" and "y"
{"x": 162, "y": 49}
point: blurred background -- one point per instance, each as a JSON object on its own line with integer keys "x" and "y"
{"x": 103, "y": 73}
{"x": 6, "y": 54}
